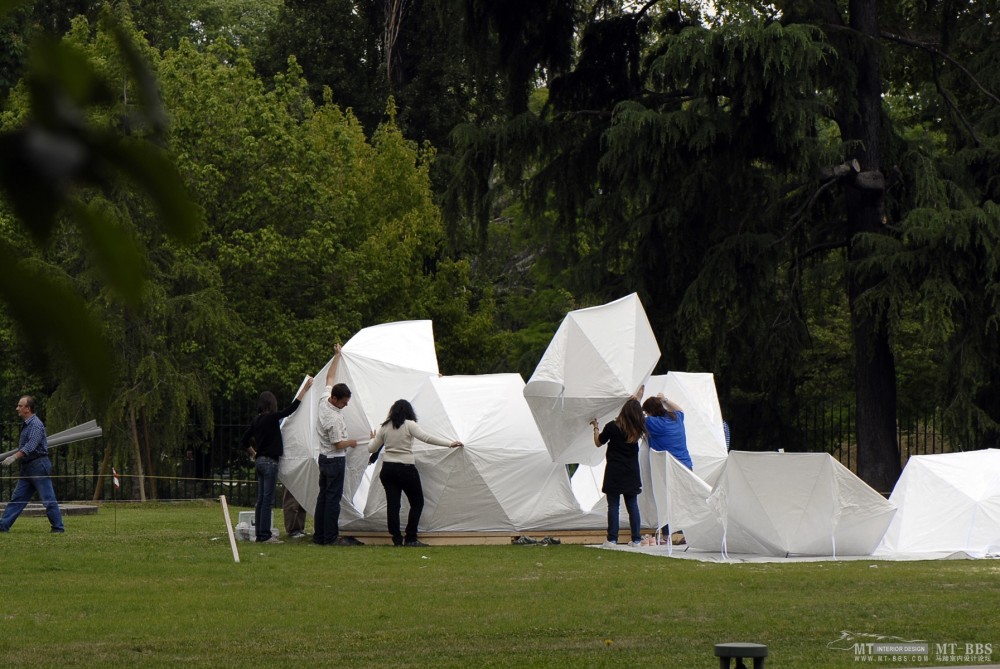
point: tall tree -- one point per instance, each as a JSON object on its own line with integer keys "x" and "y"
{"x": 719, "y": 164}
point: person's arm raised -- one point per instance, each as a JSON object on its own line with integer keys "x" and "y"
{"x": 332, "y": 372}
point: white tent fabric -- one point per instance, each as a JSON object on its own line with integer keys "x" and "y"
{"x": 695, "y": 393}
{"x": 502, "y": 479}
{"x": 597, "y": 358}
{"x": 673, "y": 495}
{"x": 947, "y": 502}
{"x": 380, "y": 364}
{"x": 794, "y": 504}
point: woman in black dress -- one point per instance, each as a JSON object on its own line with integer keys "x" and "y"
{"x": 621, "y": 475}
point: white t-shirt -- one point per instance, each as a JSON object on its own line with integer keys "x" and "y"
{"x": 331, "y": 427}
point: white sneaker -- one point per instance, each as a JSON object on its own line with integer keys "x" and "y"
{"x": 273, "y": 540}
{"x": 609, "y": 544}
{"x": 634, "y": 544}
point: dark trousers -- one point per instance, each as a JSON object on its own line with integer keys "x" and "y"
{"x": 632, "y": 506}
{"x": 400, "y": 479}
{"x": 331, "y": 488}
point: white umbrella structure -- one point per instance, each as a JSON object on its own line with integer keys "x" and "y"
{"x": 380, "y": 364}
{"x": 596, "y": 360}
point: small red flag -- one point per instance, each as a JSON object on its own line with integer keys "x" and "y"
{"x": 114, "y": 478}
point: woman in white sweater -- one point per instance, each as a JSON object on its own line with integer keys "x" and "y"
{"x": 399, "y": 472}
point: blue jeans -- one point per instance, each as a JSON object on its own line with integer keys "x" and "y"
{"x": 267, "y": 479}
{"x": 35, "y": 477}
{"x": 632, "y": 507}
{"x": 398, "y": 479}
{"x": 326, "y": 520}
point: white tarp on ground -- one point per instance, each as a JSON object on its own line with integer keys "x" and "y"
{"x": 685, "y": 553}
{"x": 596, "y": 360}
{"x": 947, "y": 502}
{"x": 502, "y": 479}
{"x": 380, "y": 364}
{"x": 793, "y": 504}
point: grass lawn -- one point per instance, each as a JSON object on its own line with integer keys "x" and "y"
{"x": 156, "y": 586}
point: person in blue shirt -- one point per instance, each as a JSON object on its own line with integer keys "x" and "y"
{"x": 36, "y": 470}
{"x": 665, "y": 430}
{"x": 665, "y": 427}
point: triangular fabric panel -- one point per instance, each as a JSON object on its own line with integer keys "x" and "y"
{"x": 598, "y": 357}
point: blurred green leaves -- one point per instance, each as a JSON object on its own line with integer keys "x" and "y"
{"x": 54, "y": 167}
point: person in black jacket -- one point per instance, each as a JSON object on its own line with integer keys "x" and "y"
{"x": 621, "y": 475}
{"x": 265, "y": 432}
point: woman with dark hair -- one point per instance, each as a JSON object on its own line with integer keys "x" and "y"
{"x": 665, "y": 427}
{"x": 265, "y": 432}
{"x": 399, "y": 473}
{"x": 621, "y": 475}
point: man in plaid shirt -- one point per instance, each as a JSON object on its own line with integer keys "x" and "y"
{"x": 36, "y": 470}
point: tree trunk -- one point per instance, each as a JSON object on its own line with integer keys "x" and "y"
{"x": 875, "y": 368}
{"x": 141, "y": 478}
{"x": 150, "y": 469}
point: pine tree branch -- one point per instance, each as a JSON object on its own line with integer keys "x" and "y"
{"x": 944, "y": 93}
{"x": 828, "y": 246}
{"x": 933, "y": 49}
{"x": 601, "y": 113}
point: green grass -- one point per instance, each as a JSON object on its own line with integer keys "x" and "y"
{"x": 156, "y": 586}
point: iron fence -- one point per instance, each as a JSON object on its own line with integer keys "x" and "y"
{"x": 831, "y": 428}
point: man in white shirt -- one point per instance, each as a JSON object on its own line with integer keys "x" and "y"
{"x": 333, "y": 445}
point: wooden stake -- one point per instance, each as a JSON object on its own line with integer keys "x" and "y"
{"x": 229, "y": 528}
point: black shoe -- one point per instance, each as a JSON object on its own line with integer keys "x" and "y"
{"x": 416, "y": 543}
{"x": 345, "y": 541}
{"x": 55, "y": 531}
{"x": 354, "y": 542}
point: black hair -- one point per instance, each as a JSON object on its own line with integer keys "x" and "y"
{"x": 400, "y": 412}
{"x": 267, "y": 402}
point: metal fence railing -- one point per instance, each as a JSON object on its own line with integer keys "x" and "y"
{"x": 831, "y": 428}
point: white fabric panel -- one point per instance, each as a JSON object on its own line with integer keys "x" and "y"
{"x": 671, "y": 493}
{"x": 947, "y": 502}
{"x": 597, "y": 358}
{"x": 502, "y": 479}
{"x": 380, "y": 364}
{"x": 798, "y": 504}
